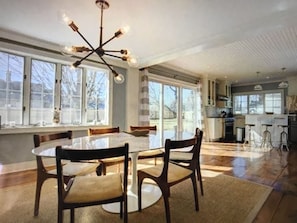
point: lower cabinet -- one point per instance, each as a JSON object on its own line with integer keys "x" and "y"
{"x": 215, "y": 129}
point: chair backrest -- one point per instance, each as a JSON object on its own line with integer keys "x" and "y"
{"x": 147, "y": 127}
{"x": 97, "y": 131}
{"x": 39, "y": 139}
{"x": 199, "y": 134}
{"x": 96, "y": 154}
{"x": 195, "y": 142}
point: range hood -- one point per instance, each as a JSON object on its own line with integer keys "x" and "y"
{"x": 222, "y": 98}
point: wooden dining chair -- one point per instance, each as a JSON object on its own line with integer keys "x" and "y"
{"x": 149, "y": 154}
{"x": 71, "y": 168}
{"x": 82, "y": 191}
{"x": 169, "y": 174}
{"x": 185, "y": 157}
{"x": 108, "y": 161}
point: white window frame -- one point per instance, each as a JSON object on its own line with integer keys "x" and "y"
{"x": 281, "y": 91}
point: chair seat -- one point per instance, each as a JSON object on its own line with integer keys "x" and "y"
{"x": 84, "y": 189}
{"x": 150, "y": 153}
{"x": 182, "y": 156}
{"x": 76, "y": 169}
{"x": 112, "y": 160}
{"x": 175, "y": 172}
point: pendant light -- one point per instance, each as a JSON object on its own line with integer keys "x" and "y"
{"x": 258, "y": 87}
{"x": 283, "y": 84}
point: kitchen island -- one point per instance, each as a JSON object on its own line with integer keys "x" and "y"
{"x": 258, "y": 129}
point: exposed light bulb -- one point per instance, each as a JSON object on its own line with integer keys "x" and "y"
{"x": 119, "y": 78}
{"x": 132, "y": 61}
{"x": 125, "y": 29}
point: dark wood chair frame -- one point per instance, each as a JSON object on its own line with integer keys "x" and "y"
{"x": 199, "y": 134}
{"x": 96, "y": 154}
{"x": 42, "y": 172}
{"x": 162, "y": 179}
{"x": 147, "y": 155}
{"x": 98, "y": 131}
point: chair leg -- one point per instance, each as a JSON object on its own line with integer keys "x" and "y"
{"x": 199, "y": 177}
{"x": 121, "y": 209}
{"x": 72, "y": 215}
{"x": 37, "y": 195}
{"x": 103, "y": 168}
{"x": 193, "y": 178}
{"x": 165, "y": 194}
{"x": 99, "y": 169}
{"x": 60, "y": 214}
{"x": 139, "y": 193}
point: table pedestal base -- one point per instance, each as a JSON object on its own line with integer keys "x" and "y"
{"x": 150, "y": 195}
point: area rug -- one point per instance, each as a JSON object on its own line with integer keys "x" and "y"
{"x": 226, "y": 199}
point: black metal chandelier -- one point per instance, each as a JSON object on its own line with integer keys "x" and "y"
{"x": 100, "y": 51}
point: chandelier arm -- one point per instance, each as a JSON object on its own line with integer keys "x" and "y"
{"x": 107, "y": 41}
{"x": 113, "y": 51}
{"x": 112, "y": 55}
{"x": 85, "y": 57}
{"x": 81, "y": 35}
{"x": 112, "y": 70}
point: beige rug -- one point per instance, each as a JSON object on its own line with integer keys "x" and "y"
{"x": 226, "y": 199}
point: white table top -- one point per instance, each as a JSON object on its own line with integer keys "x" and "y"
{"x": 154, "y": 140}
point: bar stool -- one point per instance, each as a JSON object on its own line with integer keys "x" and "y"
{"x": 283, "y": 138}
{"x": 266, "y": 137}
{"x": 251, "y": 139}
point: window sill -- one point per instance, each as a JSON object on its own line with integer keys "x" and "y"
{"x": 40, "y": 129}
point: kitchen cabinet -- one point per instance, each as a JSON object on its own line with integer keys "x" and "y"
{"x": 215, "y": 129}
{"x": 224, "y": 97}
{"x": 209, "y": 92}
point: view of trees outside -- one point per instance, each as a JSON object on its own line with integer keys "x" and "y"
{"x": 97, "y": 96}
{"x": 164, "y": 110}
{"x": 11, "y": 88}
{"x": 188, "y": 109}
{"x": 71, "y": 95}
{"x": 42, "y": 91}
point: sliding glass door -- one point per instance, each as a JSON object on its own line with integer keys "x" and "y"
{"x": 174, "y": 107}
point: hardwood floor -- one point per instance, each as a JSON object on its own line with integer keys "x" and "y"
{"x": 273, "y": 168}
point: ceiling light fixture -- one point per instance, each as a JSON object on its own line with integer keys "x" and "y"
{"x": 125, "y": 55}
{"x": 283, "y": 84}
{"x": 258, "y": 87}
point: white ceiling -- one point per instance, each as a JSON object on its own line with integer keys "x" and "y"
{"x": 224, "y": 39}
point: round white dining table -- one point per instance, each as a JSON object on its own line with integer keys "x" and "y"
{"x": 153, "y": 140}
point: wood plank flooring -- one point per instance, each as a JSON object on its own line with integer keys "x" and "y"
{"x": 272, "y": 168}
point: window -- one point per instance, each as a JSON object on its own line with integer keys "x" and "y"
{"x": 258, "y": 103}
{"x": 42, "y": 91}
{"x": 174, "y": 107}
{"x": 273, "y": 103}
{"x": 75, "y": 96}
{"x": 11, "y": 88}
{"x": 189, "y": 105}
{"x": 240, "y": 104}
{"x": 71, "y": 95}
{"x": 97, "y": 96}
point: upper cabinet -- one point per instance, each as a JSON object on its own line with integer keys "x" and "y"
{"x": 224, "y": 97}
{"x": 209, "y": 91}
{"x": 211, "y": 96}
